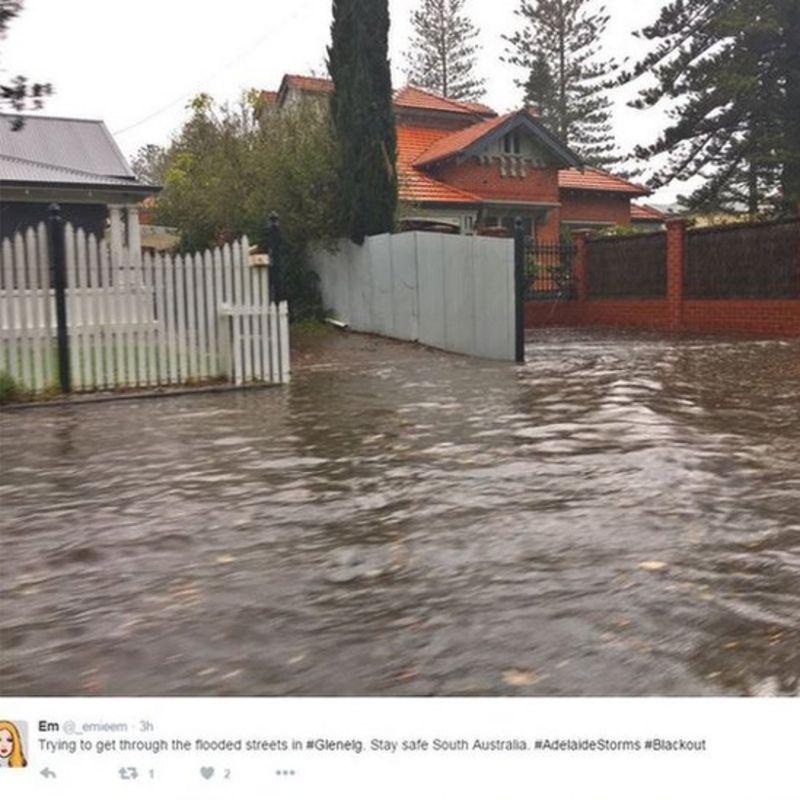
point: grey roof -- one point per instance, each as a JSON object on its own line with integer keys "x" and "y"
{"x": 20, "y": 170}
{"x": 63, "y": 151}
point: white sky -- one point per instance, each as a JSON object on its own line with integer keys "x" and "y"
{"x": 135, "y": 64}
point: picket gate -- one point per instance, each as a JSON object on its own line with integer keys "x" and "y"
{"x": 138, "y": 320}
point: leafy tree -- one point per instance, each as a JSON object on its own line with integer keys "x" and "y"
{"x": 363, "y": 117}
{"x": 19, "y": 94}
{"x": 229, "y": 167}
{"x": 731, "y": 68}
{"x": 558, "y": 47}
{"x": 150, "y": 164}
{"x": 444, "y": 50}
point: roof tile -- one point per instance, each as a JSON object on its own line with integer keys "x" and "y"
{"x": 592, "y": 179}
{"x": 413, "y": 97}
{"x": 646, "y": 213}
{"x": 415, "y": 186}
{"x": 455, "y": 142}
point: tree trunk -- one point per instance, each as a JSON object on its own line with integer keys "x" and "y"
{"x": 791, "y": 166}
{"x": 562, "y": 75}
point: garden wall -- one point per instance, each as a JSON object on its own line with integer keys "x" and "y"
{"x": 737, "y": 279}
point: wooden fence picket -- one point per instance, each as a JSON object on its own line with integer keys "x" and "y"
{"x": 137, "y": 319}
{"x": 50, "y": 373}
{"x": 9, "y": 358}
{"x": 106, "y": 303}
{"x": 20, "y": 288}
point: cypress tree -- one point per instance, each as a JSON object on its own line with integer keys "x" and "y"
{"x": 731, "y": 69}
{"x": 444, "y": 50}
{"x": 363, "y": 116}
{"x": 558, "y": 47}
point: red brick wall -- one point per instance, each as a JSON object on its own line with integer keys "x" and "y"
{"x": 673, "y": 313}
{"x": 757, "y": 317}
{"x": 613, "y": 313}
{"x": 584, "y": 207}
{"x": 550, "y": 229}
{"x": 778, "y": 317}
{"x": 485, "y": 180}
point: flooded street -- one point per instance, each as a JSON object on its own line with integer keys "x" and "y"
{"x": 619, "y": 516}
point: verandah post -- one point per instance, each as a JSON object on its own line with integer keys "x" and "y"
{"x": 519, "y": 290}
{"x": 58, "y": 261}
{"x": 676, "y": 260}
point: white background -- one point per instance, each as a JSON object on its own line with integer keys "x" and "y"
{"x": 752, "y": 749}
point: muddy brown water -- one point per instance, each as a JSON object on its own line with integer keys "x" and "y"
{"x": 619, "y": 516}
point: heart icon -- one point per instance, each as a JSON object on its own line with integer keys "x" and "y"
{"x": 207, "y": 772}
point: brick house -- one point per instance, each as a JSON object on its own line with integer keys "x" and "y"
{"x": 463, "y": 167}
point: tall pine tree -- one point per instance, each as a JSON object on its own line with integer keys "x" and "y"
{"x": 363, "y": 116}
{"x": 444, "y": 50}
{"x": 731, "y": 68}
{"x": 558, "y": 47}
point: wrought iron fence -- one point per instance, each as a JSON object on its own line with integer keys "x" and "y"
{"x": 632, "y": 267}
{"x": 758, "y": 261}
{"x": 549, "y": 271}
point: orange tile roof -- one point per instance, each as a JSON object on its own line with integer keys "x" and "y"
{"x": 269, "y": 98}
{"x": 304, "y": 83}
{"x": 416, "y": 186}
{"x": 413, "y": 97}
{"x": 596, "y": 180}
{"x": 458, "y": 141}
{"x": 480, "y": 108}
{"x": 648, "y": 213}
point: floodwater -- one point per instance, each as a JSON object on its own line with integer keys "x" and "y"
{"x": 619, "y": 516}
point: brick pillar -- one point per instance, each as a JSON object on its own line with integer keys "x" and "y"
{"x": 579, "y": 242}
{"x": 676, "y": 258}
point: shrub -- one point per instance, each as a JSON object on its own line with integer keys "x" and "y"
{"x": 10, "y": 390}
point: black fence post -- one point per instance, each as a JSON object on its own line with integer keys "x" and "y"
{"x": 519, "y": 290}
{"x": 276, "y": 287}
{"x": 59, "y": 272}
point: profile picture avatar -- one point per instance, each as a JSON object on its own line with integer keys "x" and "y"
{"x": 12, "y": 744}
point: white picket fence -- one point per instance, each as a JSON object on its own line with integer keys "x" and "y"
{"x": 138, "y": 320}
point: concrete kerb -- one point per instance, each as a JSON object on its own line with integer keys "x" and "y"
{"x": 90, "y": 399}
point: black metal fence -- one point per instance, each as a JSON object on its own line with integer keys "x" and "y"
{"x": 758, "y": 261}
{"x": 631, "y": 267}
{"x": 549, "y": 270}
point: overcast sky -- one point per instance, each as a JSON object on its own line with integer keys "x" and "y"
{"x": 135, "y": 64}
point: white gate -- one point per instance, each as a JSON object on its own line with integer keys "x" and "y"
{"x": 139, "y": 320}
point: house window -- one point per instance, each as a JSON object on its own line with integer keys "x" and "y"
{"x": 511, "y": 143}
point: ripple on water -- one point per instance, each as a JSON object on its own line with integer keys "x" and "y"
{"x": 401, "y": 521}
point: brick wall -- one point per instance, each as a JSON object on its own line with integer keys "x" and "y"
{"x": 485, "y": 180}
{"x": 584, "y": 207}
{"x": 676, "y": 314}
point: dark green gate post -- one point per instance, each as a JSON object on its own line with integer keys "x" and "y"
{"x": 519, "y": 289}
{"x": 59, "y": 274}
{"x": 277, "y": 290}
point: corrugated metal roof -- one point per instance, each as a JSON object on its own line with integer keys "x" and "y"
{"x": 73, "y": 144}
{"x": 20, "y": 170}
